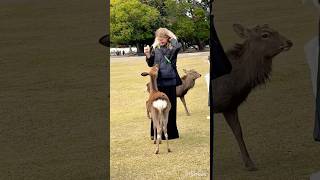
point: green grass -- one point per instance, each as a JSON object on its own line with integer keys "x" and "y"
{"x": 132, "y": 150}
{"x": 53, "y": 90}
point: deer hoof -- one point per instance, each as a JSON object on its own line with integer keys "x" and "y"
{"x": 156, "y": 151}
{"x": 154, "y": 142}
{"x": 169, "y": 150}
{"x": 251, "y": 167}
{"x": 159, "y": 142}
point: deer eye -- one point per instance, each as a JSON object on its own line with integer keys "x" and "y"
{"x": 265, "y": 35}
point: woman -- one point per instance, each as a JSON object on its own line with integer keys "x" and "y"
{"x": 164, "y": 52}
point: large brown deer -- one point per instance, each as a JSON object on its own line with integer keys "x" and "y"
{"x": 251, "y": 66}
{"x": 158, "y": 106}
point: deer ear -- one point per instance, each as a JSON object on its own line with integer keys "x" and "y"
{"x": 144, "y": 74}
{"x": 240, "y": 30}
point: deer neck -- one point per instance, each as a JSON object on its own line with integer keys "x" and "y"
{"x": 251, "y": 68}
{"x": 256, "y": 67}
{"x": 153, "y": 83}
{"x": 189, "y": 83}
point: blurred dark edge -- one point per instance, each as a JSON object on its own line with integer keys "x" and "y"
{"x": 105, "y": 40}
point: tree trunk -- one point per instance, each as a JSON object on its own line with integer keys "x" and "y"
{"x": 183, "y": 46}
{"x": 130, "y": 49}
{"x": 140, "y": 49}
{"x": 201, "y": 45}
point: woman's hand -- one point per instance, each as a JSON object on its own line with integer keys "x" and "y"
{"x": 155, "y": 43}
{"x": 147, "y": 51}
{"x": 171, "y": 35}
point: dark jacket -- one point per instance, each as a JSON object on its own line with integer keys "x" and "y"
{"x": 166, "y": 57}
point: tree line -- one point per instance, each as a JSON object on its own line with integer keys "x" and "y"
{"x": 134, "y": 22}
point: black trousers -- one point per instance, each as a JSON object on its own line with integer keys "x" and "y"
{"x": 173, "y": 133}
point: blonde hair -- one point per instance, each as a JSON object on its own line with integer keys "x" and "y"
{"x": 163, "y": 33}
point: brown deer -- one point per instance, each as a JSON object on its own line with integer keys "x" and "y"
{"x": 188, "y": 82}
{"x": 251, "y": 66}
{"x": 158, "y": 106}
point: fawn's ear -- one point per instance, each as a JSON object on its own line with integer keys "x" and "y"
{"x": 241, "y": 31}
{"x": 144, "y": 74}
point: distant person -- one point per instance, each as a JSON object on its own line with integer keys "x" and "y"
{"x": 123, "y": 53}
{"x": 164, "y": 52}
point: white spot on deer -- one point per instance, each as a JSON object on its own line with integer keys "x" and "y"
{"x": 159, "y": 104}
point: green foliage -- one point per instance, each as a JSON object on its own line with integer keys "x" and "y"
{"x": 135, "y": 21}
{"x": 132, "y": 21}
{"x": 184, "y": 28}
{"x": 202, "y": 24}
{"x": 189, "y": 20}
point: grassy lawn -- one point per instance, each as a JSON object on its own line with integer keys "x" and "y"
{"x": 131, "y": 148}
{"x": 53, "y": 90}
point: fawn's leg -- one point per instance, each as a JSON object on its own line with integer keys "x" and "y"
{"x": 233, "y": 121}
{"x": 154, "y": 133}
{"x": 166, "y": 116}
{"x": 185, "y": 105}
{"x": 154, "y": 123}
{"x": 148, "y": 115}
{"x": 158, "y": 137}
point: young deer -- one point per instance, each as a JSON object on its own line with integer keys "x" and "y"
{"x": 158, "y": 106}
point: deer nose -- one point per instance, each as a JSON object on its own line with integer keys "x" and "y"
{"x": 289, "y": 43}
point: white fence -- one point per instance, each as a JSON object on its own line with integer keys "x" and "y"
{"x": 113, "y": 51}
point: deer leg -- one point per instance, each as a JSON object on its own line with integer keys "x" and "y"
{"x": 166, "y": 136}
{"x": 154, "y": 133}
{"x": 148, "y": 111}
{"x": 233, "y": 121}
{"x": 158, "y": 137}
{"x": 185, "y": 105}
{"x": 166, "y": 116}
{"x": 148, "y": 114}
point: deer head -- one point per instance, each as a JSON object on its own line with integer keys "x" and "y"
{"x": 153, "y": 71}
{"x": 263, "y": 39}
{"x": 192, "y": 73}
